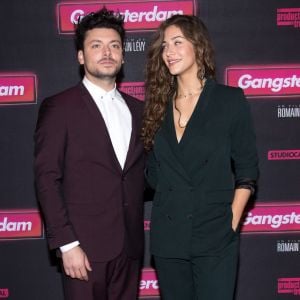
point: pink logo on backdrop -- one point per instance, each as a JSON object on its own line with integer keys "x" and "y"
{"x": 147, "y": 225}
{"x": 138, "y": 16}
{"x": 288, "y": 17}
{"x": 4, "y": 293}
{"x": 135, "y": 89}
{"x": 20, "y": 224}
{"x": 288, "y": 286}
{"x": 272, "y": 217}
{"x": 18, "y": 88}
{"x": 148, "y": 283}
{"x": 284, "y": 154}
{"x": 266, "y": 81}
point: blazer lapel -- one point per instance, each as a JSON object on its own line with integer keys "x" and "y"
{"x": 169, "y": 134}
{"x": 194, "y": 127}
{"x": 199, "y": 117}
{"x": 135, "y": 146}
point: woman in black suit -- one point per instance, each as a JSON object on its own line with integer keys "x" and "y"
{"x": 202, "y": 164}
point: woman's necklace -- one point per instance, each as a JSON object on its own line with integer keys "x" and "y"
{"x": 189, "y": 94}
{"x": 185, "y": 96}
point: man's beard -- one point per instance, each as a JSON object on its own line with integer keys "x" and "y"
{"x": 107, "y": 75}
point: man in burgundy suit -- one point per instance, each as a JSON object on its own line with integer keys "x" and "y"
{"x": 89, "y": 165}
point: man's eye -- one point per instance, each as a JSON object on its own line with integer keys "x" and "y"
{"x": 95, "y": 46}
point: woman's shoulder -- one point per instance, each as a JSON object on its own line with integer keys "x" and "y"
{"x": 230, "y": 98}
{"x": 226, "y": 90}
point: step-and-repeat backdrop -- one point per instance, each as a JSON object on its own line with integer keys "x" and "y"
{"x": 257, "y": 48}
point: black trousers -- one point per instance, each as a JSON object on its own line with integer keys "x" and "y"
{"x": 199, "y": 278}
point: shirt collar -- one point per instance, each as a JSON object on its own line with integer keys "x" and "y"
{"x": 97, "y": 92}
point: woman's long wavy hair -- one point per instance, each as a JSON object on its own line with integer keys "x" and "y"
{"x": 160, "y": 84}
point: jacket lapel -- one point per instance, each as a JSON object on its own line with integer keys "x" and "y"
{"x": 195, "y": 127}
{"x": 100, "y": 129}
{"x": 199, "y": 117}
{"x": 135, "y": 145}
{"x": 169, "y": 134}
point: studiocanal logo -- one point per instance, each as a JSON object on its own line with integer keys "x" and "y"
{"x": 138, "y": 16}
{"x": 265, "y": 80}
{"x": 293, "y": 154}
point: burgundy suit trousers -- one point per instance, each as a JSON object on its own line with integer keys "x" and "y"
{"x": 117, "y": 279}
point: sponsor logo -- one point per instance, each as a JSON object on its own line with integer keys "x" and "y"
{"x": 284, "y": 154}
{"x": 288, "y": 111}
{"x": 288, "y": 246}
{"x": 134, "y": 45}
{"x": 148, "y": 283}
{"x": 272, "y": 217}
{"x": 17, "y": 89}
{"x": 4, "y": 293}
{"x": 266, "y": 81}
{"x": 288, "y": 17}
{"x": 135, "y": 89}
{"x": 20, "y": 224}
{"x": 288, "y": 286}
{"x": 147, "y": 225}
{"x": 138, "y": 16}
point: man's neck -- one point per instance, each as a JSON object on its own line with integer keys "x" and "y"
{"x": 107, "y": 84}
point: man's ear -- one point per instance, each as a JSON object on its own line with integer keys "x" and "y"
{"x": 80, "y": 57}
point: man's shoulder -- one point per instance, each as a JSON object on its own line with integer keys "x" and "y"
{"x": 65, "y": 95}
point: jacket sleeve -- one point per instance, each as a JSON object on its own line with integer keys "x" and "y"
{"x": 50, "y": 146}
{"x": 243, "y": 143}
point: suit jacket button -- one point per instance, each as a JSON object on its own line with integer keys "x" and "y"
{"x": 204, "y": 163}
{"x": 190, "y": 216}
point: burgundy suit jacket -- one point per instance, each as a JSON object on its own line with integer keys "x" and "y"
{"x": 83, "y": 191}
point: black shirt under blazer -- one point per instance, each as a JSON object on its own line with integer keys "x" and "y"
{"x": 194, "y": 179}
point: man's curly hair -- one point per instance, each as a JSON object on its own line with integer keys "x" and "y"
{"x": 101, "y": 19}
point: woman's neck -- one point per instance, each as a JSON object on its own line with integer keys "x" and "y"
{"x": 189, "y": 87}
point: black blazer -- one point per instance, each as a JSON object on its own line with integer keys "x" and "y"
{"x": 194, "y": 179}
{"x": 83, "y": 191}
